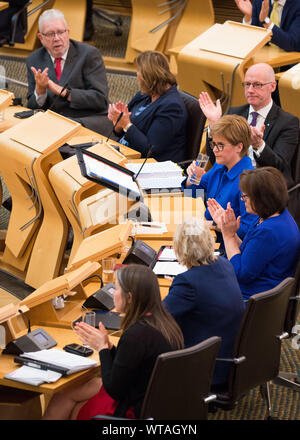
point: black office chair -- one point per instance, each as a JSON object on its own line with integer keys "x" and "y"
{"x": 195, "y": 127}
{"x": 291, "y": 380}
{"x": 294, "y": 191}
{"x": 89, "y": 26}
{"x": 16, "y": 24}
{"x": 256, "y": 355}
{"x": 180, "y": 382}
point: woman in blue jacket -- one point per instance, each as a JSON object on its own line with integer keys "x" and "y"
{"x": 206, "y": 299}
{"x": 154, "y": 122}
{"x": 231, "y": 137}
{"x": 270, "y": 250}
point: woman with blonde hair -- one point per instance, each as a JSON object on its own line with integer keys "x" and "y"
{"x": 206, "y": 299}
{"x": 147, "y": 331}
{"x": 154, "y": 122}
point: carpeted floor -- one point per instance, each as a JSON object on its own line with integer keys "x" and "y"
{"x": 286, "y": 403}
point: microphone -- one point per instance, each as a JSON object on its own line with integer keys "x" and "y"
{"x": 58, "y": 96}
{"x": 114, "y": 126}
{"x": 146, "y": 158}
{"x": 28, "y": 320}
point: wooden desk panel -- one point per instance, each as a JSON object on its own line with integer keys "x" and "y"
{"x": 63, "y": 337}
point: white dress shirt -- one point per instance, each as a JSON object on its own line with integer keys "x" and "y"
{"x": 262, "y": 114}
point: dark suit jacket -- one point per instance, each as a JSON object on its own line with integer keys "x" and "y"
{"x": 162, "y": 125}
{"x": 286, "y": 37}
{"x": 206, "y": 301}
{"x": 280, "y": 136}
{"x": 84, "y": 71}
{"x": 13, "y": 6}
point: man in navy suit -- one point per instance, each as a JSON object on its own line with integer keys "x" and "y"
{"x": 285, "y": 33}
{"x": 274, "y": 132}
{"x": 68, "y": 76}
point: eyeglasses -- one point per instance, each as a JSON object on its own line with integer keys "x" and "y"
{"x": 243, "y": 196}
{"x": 51, "y": 35}
{"x": 255, "y": 85}
{"x": 218, "y": 145}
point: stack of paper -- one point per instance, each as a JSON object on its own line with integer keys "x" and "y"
{"x": 171, "y": 268}
{"x": 72, "y": 362}
{"x": 33, "y": 376}
{"x": 158, "y": 175}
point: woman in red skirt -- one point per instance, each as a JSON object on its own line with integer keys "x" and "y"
{"x": 148, "y": 330}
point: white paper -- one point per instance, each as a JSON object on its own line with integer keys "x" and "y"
{"x": 158, "y": 175}
{"x": 33, "y": 376}
{"x": 168, "y": 254}
{"x": 168, "y": 268}
{"x": 153, "y": 228}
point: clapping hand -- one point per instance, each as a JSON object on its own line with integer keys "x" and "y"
{"x": 264, "y": 11}
{"x": 216, "y": 211}
{"x": 93, "y": 337}
{"x": 114, "y": 111}
{"x": 229, "y": 223}
{"x": 212, "y": 111}
{"x": 257, "y": 137}
{"x": 245, "y": 6}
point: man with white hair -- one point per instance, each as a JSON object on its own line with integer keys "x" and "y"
{"x": 68, "y": 76}
{"x": 274, "y": 132}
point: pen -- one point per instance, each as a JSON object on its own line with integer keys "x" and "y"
{"x": 150, "y": 226}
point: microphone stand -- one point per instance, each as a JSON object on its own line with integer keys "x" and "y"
{"x": 146, "y": 158}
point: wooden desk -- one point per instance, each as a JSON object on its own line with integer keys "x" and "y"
{"x": 3, "y": 5}
{"x": 63, "y": 337}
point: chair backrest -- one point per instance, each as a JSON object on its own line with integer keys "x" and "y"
{"x": 19, "y": 25}
{"x": 293, "y": 308}
{"x": 195, "y": 125}
{"x": 180, "y": 382}
{"x": 258, "y": 340}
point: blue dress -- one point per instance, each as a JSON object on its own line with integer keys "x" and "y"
{"x": 223, "y": 185}
{"x": 270, "y": 252}
{"x": 206, "y": 301}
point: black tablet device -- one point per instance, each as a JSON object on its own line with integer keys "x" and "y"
{"x": 109, "y": 174}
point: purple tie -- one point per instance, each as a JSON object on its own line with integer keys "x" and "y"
{"x": 254, "y": 119}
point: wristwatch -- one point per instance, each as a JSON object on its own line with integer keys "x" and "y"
{"x": 127, "y": 127}
{"x": 68, "y": 91}
{"x": 267, "y": 20}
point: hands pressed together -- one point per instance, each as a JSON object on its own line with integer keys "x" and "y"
{"x": 225, "y": 219}
{"x": 245, "y": 6}
{"x": 95, "y": 338}
{"x": 114, "y": 111}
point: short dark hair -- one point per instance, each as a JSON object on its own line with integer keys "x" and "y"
{"x": 266, "y": 189}
{"x": 155, "y": 74}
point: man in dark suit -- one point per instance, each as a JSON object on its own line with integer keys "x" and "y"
{"x": 68, "y": 76}
{"x": 280, "y": 16}
{"x": 274, "y": 131}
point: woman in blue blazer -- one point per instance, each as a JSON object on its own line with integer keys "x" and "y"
{"x": 231, "y": 137}
{"x": 270, "y": 250}
{"x": 154, "y": 122}
{"x": 206, "y": 299}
